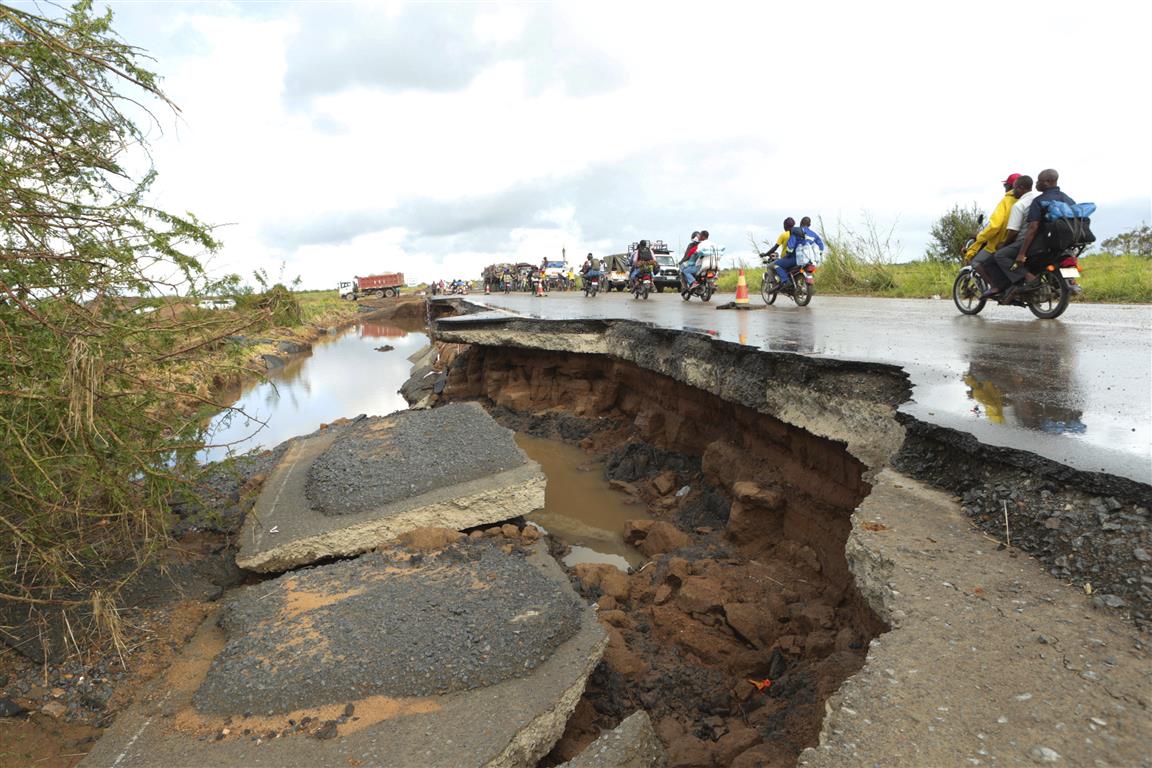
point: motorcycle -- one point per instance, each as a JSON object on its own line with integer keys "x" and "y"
{"x": 704, "y": 288}
{"x": 1057, "y": 273}
{"x": 591, "y": 287}
{"x": 1047, "y": 300}
{"x": 801, "y": 282}
{"x": 507, "y": 285}
{"x": 643, "y": 284}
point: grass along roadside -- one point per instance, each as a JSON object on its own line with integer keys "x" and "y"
{"x": 1106, "y": 278}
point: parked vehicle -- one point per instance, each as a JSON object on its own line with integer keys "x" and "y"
{"x": 705, "y": 285}
{"x": 643, "y": 285}
{"x": 616, "y": 269}
{"x": 667, "y": 273}
{"x": 380, "y": 286}
{"x": 591, "y": 287}
{"x": 801, "y": 283}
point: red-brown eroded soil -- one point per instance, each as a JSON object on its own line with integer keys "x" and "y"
{"x": 738, "y": 628}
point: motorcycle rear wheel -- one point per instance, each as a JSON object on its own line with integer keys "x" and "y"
{"x": 1050, "y": 300}
{"x": 802, "y": 291}
{"x": 966, "y": 291}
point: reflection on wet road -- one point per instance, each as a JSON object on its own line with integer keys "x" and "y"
{"x": 1077, "y": 390}
{"x": 341, "y": 378}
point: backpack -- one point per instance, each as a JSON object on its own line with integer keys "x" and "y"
{"x": 1066, "y": 225}
{"x": 807, "y": 252}
{"x": 708, "y": 255}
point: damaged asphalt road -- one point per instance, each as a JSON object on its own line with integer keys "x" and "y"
{"x": 1077, "y": 390}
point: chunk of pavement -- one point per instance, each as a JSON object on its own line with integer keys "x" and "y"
{"x": 424, "y": 647}
{"x": 632, "y": 744}
{"x": 343, "y": 492}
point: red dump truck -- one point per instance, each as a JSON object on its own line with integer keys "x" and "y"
{"x": 379, "y": 286}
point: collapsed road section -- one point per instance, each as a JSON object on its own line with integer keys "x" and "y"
{"x": 342, "y": 492}
{"x": 401, "y": 657}
{"x": 779, "y": 453}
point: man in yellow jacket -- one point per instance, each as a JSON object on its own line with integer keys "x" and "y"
{"x": 992, "y": 236}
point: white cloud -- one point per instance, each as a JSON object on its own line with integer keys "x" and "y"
{"x": 589, "y": 125}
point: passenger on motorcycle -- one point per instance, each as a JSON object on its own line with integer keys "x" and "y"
{"x": 644, "y": 259}
{"x": 1006, "y": 272}
{"x": 796, "y": 238}
{"x": 992, "y": 236}
{"x": 590, "y": 269}
{"x": 806, "y": 225}
{"x": 691, "y": 261}
{"x": 1023, "y": 194}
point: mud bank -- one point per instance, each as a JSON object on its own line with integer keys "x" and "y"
{"x": 787, "y": 448}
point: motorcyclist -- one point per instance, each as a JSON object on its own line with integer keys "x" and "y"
{"x": 691, "y": 261}
{"x": 782, "y": 240}
{"x": 590, "y": 269}
{"x": 1008, "y": 266}
{"x": 796, "y": 238}
{"x": 992, "y": 236}
{"x": 645, "y": 259}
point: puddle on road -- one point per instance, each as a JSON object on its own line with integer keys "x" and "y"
{"x": 341, "y": 378}
{"x": 580, "y": 508}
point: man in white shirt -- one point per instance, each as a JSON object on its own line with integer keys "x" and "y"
{"x": 1018, "y": 216}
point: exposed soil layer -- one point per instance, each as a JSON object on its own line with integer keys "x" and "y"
{"x": 1092, "y": 529}
{"x": 746, "y": 581}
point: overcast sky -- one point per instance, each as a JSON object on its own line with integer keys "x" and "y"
{"x": 345, "y": 139}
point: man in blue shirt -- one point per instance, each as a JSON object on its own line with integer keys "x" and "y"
{"x": 806, "y": 225}
{"x": 1006, "y": 270}
{"x": 796, "y": 236}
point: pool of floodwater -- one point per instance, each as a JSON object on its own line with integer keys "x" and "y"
{"x": 346, "y": 376}
{"x": 341, "y": 378}
{"x": 580, "y": 508}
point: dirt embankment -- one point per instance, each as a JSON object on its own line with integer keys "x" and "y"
{"x": 746, "y": 618}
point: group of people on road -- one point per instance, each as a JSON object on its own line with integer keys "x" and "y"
{"x": 453, "y": 286}
{"x": 1001, "y": 250}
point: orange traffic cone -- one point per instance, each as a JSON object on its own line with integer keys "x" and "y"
{"x": 741, "y": 289}
{"x": 539, "y": 287}
{"x": 487, "y": 290}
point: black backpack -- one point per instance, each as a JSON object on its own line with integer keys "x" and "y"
{"x": 1066, "y": 225}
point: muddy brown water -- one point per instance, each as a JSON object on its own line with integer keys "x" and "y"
{"x": 580, "y": 508}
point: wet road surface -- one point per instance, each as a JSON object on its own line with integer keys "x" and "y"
{"x": 1077, "y": 390}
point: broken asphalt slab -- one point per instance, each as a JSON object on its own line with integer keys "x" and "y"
{"x": 345, "y": 491}
{"x": 474, "y": 655}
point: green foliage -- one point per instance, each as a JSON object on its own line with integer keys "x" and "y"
{"x": 97, "y": 359}
{"x": 1119, "y": 279}
{"x": 1135, "y": 242}
{"x": 951, "y": 231}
